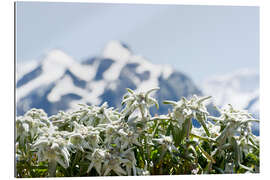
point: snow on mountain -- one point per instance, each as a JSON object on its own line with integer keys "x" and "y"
{"x": 51, "y": 68}
{"x": 239, "y": 88}
{"x": 23, "y": 68}
{"x": 59, "y": 82}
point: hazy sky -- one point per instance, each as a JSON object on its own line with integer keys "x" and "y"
{"x": 199, "y": 40}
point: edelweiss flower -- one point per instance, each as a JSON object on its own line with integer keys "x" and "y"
{"x": 166, "y": 142}
{"x": 52, "y": 148}
{"x": 113, "y": 162}
{"x": 186, "y": 109}
{"x": 139, "y": 100}
{"x": 128, "y": 138}
{"x": 130, "y": 160}
{"x": 97, "y": 158}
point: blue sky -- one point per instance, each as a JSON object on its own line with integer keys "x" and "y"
{"x": 201, "y": 41}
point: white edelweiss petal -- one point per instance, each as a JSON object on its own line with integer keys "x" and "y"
{"x": 81, "y": 148}
{"x": 98, "y": 167}
{"x": 55, "y": 146}
{"x": 126, "y": 143}
{"x": 40, "y": 143}
{"x": 119, "y": 171}
{"x": 63, "y": 163}
{"x": 128, "y": 101}
{"x": 26, "y": 127}
{"x": 124, "y": 161}
{"x": 187, "y": 111}
{"x": 160, "y": 141}
{"x": 65, "y": 153}
{"x": 122, "y": 132}
{"x": 90, "y": 167}
{"x": 168, "y": 139}
{"x": 107, "y": 171}
{"x": 134, "y": 170}
{"x": 85, "y": 145}
{"x": 146, "y": 173}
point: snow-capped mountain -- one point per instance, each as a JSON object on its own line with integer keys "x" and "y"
{"x": 59, "y": 82}
{"x": 239, "y": 88}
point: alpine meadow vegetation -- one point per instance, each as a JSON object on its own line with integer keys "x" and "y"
{"x": 104, "y": 141}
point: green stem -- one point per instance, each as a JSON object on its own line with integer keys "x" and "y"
{"x": 52, "y": 168}
{"x": 147, "y": 149}
{"x": 145, "y": 139}
{"x": 155, "y": 130}
{"x": 141, "y": 153}
{"x": 188, "y": 127}
{"x": 161, "y": 157}
{"x": 141, "y": 109}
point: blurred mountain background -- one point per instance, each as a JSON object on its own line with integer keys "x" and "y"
{"x": 59, "y": 82}
{"x": 66, "y": 56}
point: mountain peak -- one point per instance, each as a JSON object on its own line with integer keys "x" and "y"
{"x": 59, "y": 82}
{"x": 56, "y": 59}
{"x": 117, "y": 51}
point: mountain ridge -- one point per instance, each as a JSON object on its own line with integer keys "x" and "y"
{"x": 58, "y": 80}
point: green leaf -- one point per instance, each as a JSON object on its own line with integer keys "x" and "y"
{"x": 202, "y": 122}
{"x": 204, "y": 98}
{"x": 131, "y": 99}
{"x": 125, "y": 96}
{"x": 178, "y": 135}
{"x": 153, "y": 154}
{"x": 206, "y": 155}
{"x": 130, "y": 91}
{"x": 170, "y": 102}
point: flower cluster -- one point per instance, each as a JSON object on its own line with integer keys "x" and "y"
{"x": 101, "y": 141}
